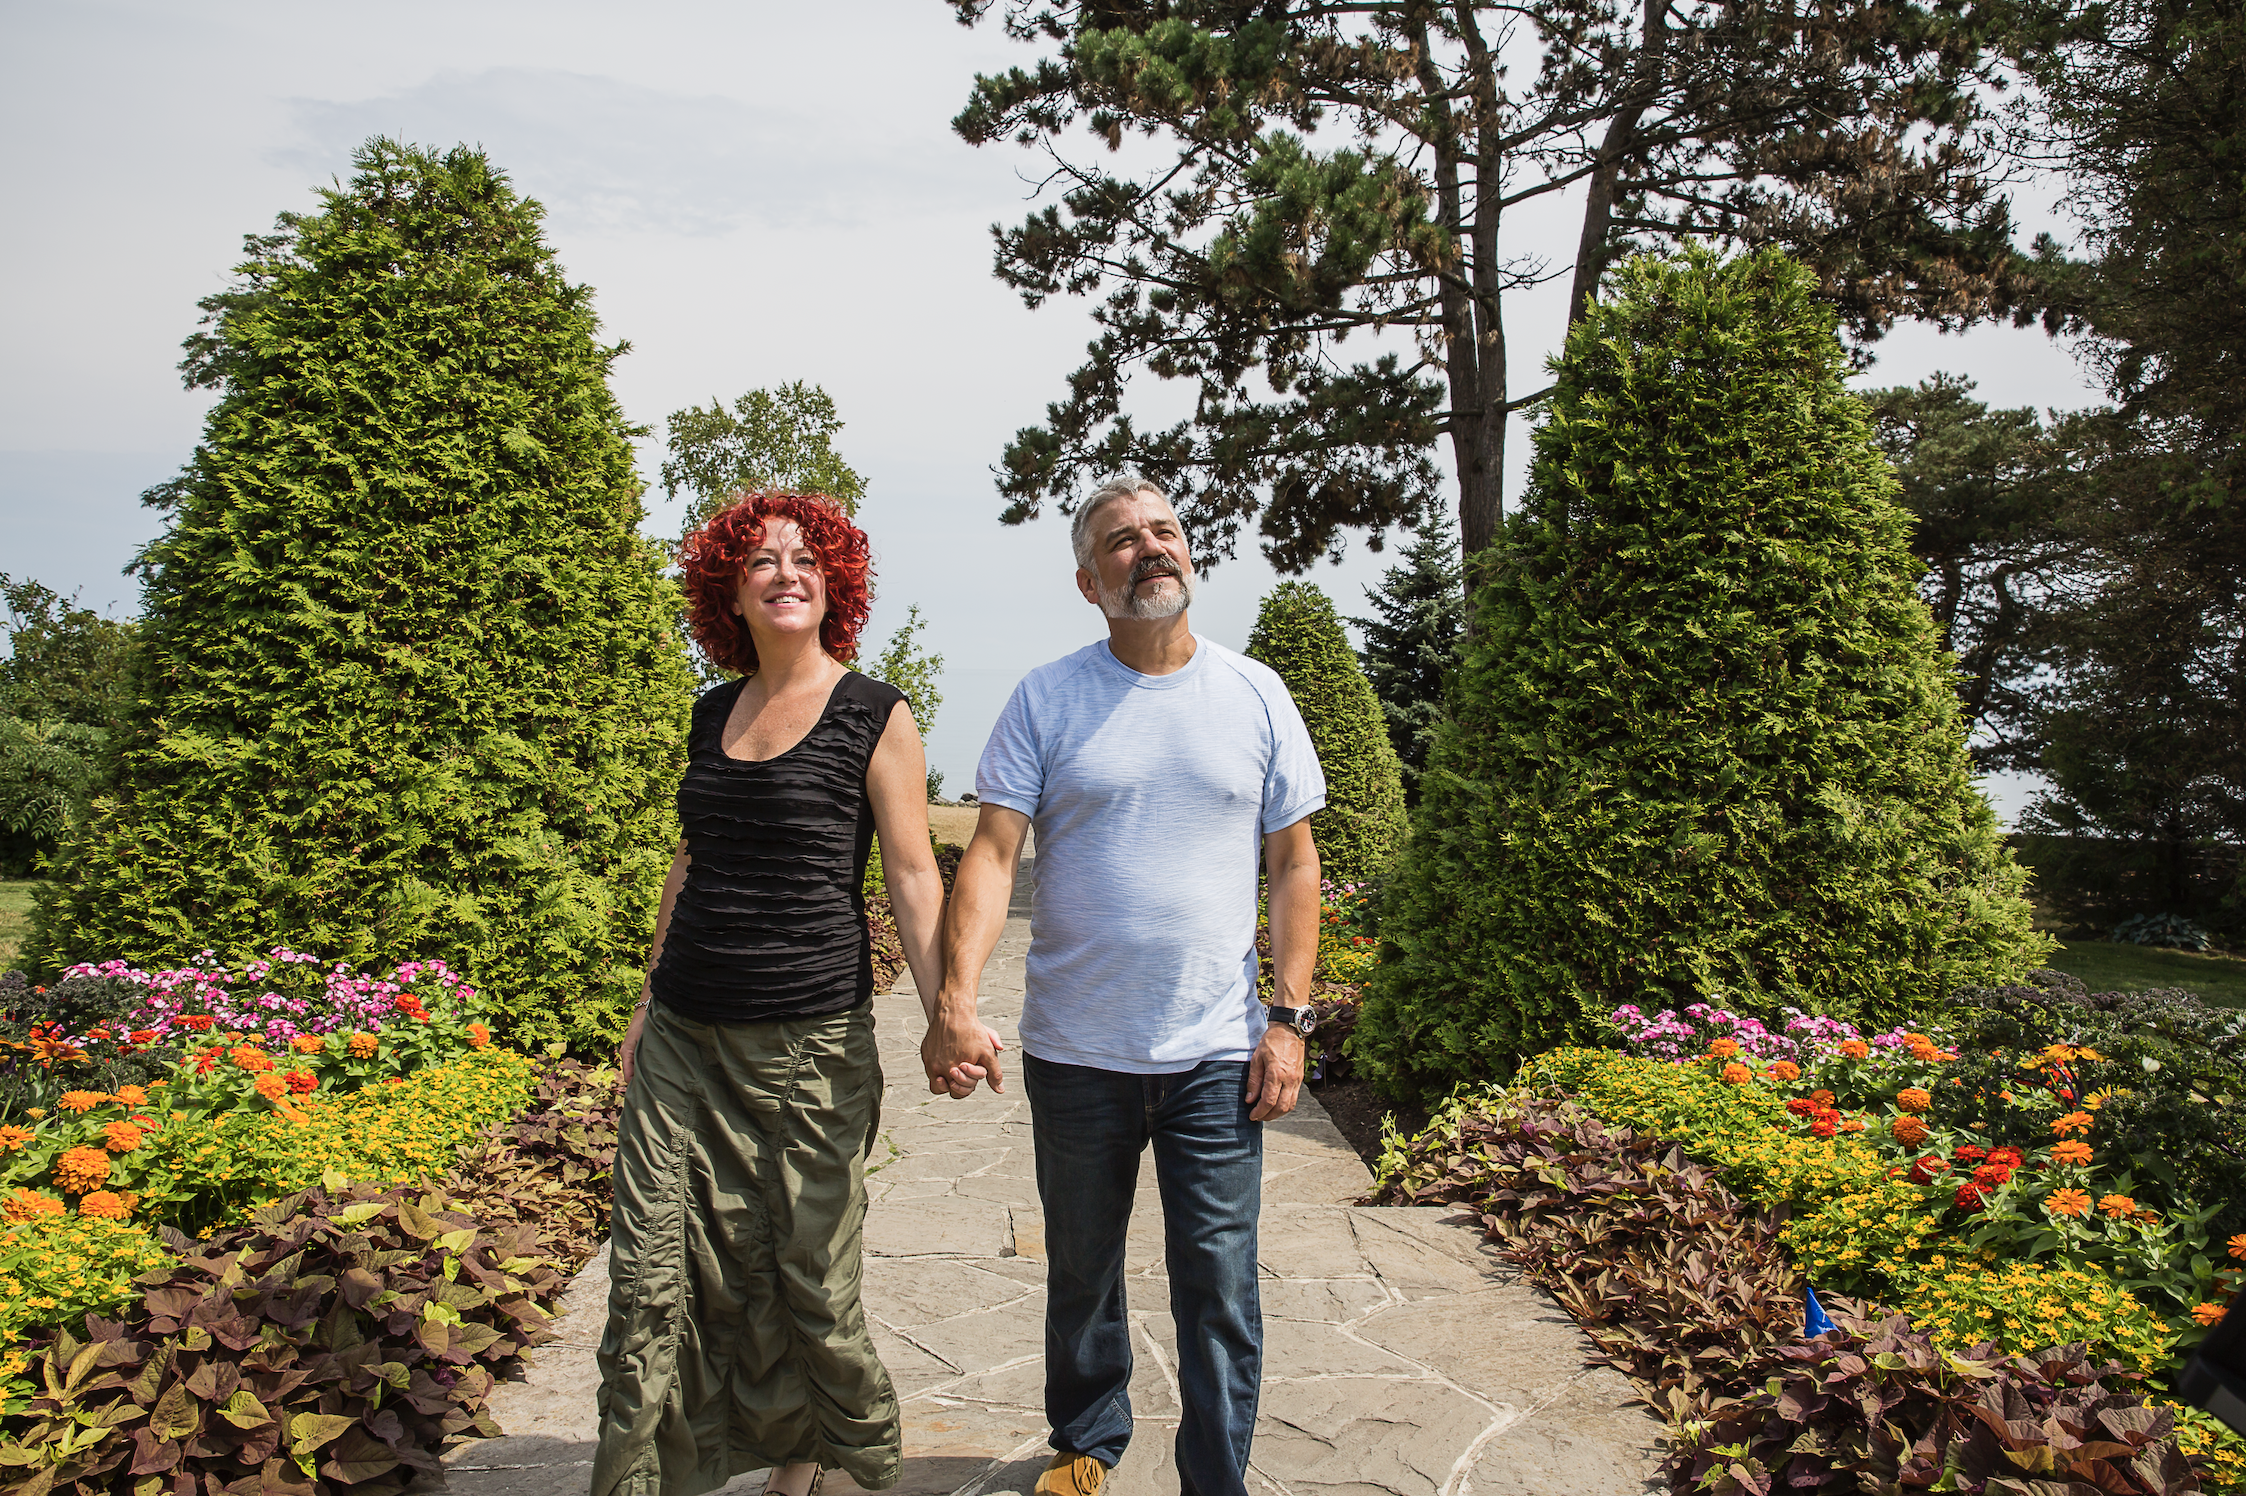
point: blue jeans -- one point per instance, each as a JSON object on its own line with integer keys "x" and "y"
{"x": 1090, "y": 1127}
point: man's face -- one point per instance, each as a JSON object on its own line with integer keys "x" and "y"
{"x": 1142, "y": 567}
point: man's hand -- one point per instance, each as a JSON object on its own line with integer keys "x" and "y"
{"x": 1275, "y": 1073}
{"x": 959, "y": 1050}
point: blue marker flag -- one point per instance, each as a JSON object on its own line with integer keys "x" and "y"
{"x": 1814, "y": 1323}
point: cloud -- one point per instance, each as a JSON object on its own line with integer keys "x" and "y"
{"x": 606, "y": 155}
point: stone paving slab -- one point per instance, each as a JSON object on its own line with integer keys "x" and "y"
{"x": 1400, "y": 1356}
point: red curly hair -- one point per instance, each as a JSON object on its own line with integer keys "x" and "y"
{"x": 714, "y": 556}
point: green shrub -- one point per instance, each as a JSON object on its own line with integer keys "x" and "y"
{"x": 1704, "y": 744}
{"x": 408, "y": 682}
{"x": 1299, "y": 635}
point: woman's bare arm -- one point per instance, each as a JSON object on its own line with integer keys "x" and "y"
{"x": 672, "y": 883}
{"x": 897, "y": 783}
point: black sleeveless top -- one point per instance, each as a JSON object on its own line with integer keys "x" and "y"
{"x": 772, "y": 920}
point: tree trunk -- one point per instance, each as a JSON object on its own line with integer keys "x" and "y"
{"x": 1622, "y": 129}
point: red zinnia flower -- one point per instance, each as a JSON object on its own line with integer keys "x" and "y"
{"x": 302, "y": 1081}
{"x": 1800, "y": 1106}
{"x": 1823, "y": 1128}
{"x": 1970, "y": 1196}
{"x": 1969, "y": 1152}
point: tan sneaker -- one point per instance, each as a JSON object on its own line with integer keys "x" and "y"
{"x": 1071, "y": 1475}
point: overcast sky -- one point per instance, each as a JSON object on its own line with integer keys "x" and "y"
{"x": 759, "y": 192}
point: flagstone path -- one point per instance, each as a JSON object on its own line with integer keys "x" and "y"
{"x": 1399, "y": 1356}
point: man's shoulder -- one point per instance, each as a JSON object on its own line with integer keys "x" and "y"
{"x": 1054, "y": 676}
{"x": 1254, "y": 674}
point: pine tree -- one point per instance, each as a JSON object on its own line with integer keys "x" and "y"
{"x": 1704, "y": 743}
{"x": 1299, "y": 635}
{"x": 1411, "y": 649}
{"x": 407, "y": 680}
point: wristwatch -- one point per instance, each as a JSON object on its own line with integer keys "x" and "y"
{"x": 1301, "y": 1020}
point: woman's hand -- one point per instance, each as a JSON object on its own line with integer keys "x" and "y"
{"x": 626, "y": 1051}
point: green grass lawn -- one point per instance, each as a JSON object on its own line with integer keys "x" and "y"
{"x": 2105, "y": 967}
{"x": 15, "y": 919}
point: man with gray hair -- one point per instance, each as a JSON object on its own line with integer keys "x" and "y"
{"x": 1156, "y": 767}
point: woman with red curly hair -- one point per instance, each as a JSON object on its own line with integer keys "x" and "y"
{"x": 735, "y": 1337}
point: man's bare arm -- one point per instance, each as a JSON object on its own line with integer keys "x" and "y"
{"x": 1290, "y": 866}
{"x": 958, "y": 1051}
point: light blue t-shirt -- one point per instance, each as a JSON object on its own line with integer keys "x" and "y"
{"x": 1150, "y": 795}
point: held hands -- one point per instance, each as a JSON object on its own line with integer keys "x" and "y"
{"x": 958, "y": 1051}
{"x": 1275, "y": 1073}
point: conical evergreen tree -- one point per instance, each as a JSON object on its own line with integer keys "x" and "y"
{"x": 1705, "y": 744}
{"x": 1299, "y": 635}
{"x": 408, "y": 683}
{"x": 1411, "y": 649}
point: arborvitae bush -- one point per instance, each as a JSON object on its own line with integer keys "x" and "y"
{"x": 1299, "y": 635}
{"x": 408, "y": 683}
{"x": 1705, "y": 743}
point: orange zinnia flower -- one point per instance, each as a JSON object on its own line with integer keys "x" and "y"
{"x": 82, "y": 1101}
{"x": 1855, "y": 1049}
{"x": 272, "y": 1087}
{"x": 2073, "y": 1122}
{"x": 1736, "y": 1074}
{"x": 2207, "y": 1314}
{"x": 1908, "y": 1130}
{"x": 25, "y": 1205}
{"x": 132, "y": 1096}
{"x": 479, "y": 1036}
{"x": 107, "y": 1206}
{"x": 1723, "y": 1049}
{"x": 12, "y": 1138}
{"x": 123, "y": 1137}
{"x": 308, "y": 1043}
{"x": 363, "y": 1045}
{"x": 250, "y": 1058}
{"x": 82, "y": 1169}
{"x": 2067, "y": 1203}
{"x": 1779, "y": 1069}
{"x": 2070, "y": 1152}
{"x": 2117, "y": 1206}
{"x": 1913, "y": 1099}
{"x": 2237, "y": 1246}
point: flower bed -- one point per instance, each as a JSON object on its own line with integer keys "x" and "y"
{"x": 1997, "y": 1193}
{"x": 414, "y": 1195}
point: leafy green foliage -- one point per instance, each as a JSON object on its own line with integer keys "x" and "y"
{"x": 1299, "y": 636}
{"x": 1411, "y": 649}
{"x": 65, "y": 663}
{"x": 772, "y": 439}
{"x": 335, "y": 1343}
{"x": 1704, "y": 744}
{"x": 48, "y": 771}
{"x": 410, "y": 681}
{"x": 1885, "y": 1408}
{"x": 903, "y": 663}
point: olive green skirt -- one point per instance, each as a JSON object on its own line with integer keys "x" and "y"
{"x": 735, "y": 1336}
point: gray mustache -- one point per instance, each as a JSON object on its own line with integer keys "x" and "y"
{"x": 1153, "y": 566}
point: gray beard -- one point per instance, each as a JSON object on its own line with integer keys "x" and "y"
{"x": 1162, "y": 602}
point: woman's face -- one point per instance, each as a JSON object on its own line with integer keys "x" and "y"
{"x": 781, "y": 591}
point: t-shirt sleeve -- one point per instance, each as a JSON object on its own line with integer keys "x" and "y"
{"x": 1012, "y": 773}
{"x": 1295, "y": 785}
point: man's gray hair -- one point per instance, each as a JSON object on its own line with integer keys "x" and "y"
{"x": 1122, "y": 486}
